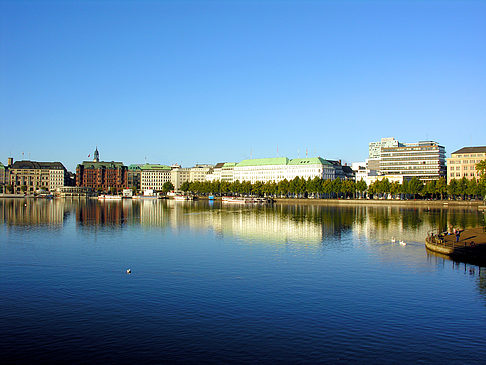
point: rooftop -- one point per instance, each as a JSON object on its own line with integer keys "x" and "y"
{"x": 480, "y": 149}
{"x": 101, "y": 164}
{"x": 309, "y": 161}
{"x": 264, "y": 162}
{"x": 34, "y": 165}
{"x": 149, "y": 166}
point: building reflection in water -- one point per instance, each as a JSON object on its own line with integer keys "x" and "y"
{"x": 307, "y": 224}
{"x": 33, "y": 212}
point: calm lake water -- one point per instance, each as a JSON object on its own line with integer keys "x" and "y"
{"x": 213, "y": 283}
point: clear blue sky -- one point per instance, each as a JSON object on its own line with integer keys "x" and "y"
{"x": 210, "y": 81}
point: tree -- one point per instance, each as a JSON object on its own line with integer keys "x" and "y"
{"x": 394, "y": 188}
{"x": 452, "y": 188}
{"x": 415, "y": 186}
{"x": 168, "y": 186}
{"x": 361, "y": 187}
{"x": 441, "y": 187}
{"x": 185, "y": 186}
{"x": 472, "y": 188}
{"x": 481, "y": 167}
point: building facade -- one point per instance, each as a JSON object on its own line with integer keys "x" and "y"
{"x": 462, "y": 163}
{"x": 153, "y": 177}
{"x": 374, "y": 148}
{"x": 134, "y": 176}
{"x": 179, "y": 175}
{"x": 228, "y": 172}
{"x": 200, "y": 171}
{"x": 3, "y": 174}
{"x": 102, "y": 176}
{"x": 32, "y": 176}
{"x": 279, "y": 168}
{"x": 215, "y": 175}
{"x": 424, "y": 160}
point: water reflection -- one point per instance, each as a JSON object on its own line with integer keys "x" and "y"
{"x": 308, "y": 224}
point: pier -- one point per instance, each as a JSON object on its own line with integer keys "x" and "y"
{"x": 471, "y": 246}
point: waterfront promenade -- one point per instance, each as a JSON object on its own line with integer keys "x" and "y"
{"x": 471, "y": 245}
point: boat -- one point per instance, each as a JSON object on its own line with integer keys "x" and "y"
{"x": 232, "y": 199}
{"x": 109, "y": 197}
{"x": 180, "y": 197}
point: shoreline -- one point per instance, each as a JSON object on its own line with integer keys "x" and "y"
{"x": 480, "y": 204}
{"x": 387, "y": 202}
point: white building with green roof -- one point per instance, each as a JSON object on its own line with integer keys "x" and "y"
{"x": 154, "y": 176}
{"x": 279, "y": 168}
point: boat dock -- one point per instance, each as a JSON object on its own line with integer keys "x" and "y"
{"x": 471, "y": 246}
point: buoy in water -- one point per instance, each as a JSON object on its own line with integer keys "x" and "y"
{"x": 129, "y": 271}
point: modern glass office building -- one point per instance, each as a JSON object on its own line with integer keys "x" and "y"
{"x": 424, "y": 160}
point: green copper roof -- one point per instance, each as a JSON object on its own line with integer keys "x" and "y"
{"x": 149, "y": 166}
{"x": 2, "y": 166}
{"x": 309, "y": 161}
{"x": 105, "y": 164}
{"x": 229, "y": 164}
{"x": 134, "y": 166}
{"x": 264, "y": 162}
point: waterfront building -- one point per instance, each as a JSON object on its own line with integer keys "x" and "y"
{"x": 102, "y": 175}
{"x": 279, "y": 168}
{"x": 3, "y": 174}
{"x": 462, "y": 163}
{"x": 374, "y": 148}
{"x": 228, "y": 172}
{"x": 179, "y": 175}
{"x": 199, "y": 172}
{"x": 154, "y": 176}
{"x": 215, "y": 175}
{"x": 31, "y": 176}
{"x": 134, "y": 176}
{"x": 424, "y": 160}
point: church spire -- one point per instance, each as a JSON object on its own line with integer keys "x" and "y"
{"x": 96, "y": 155}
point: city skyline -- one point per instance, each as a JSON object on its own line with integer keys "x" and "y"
{"x": 206, "y": 82}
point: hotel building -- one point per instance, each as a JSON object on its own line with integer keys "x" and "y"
{"x": 36, "y": 176}
{"x": 279, "y": 168}
{"x": 424, "y": 160}
{"x": 462, "y": 163}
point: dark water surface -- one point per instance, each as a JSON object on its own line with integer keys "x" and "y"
{"x": 211, "y": 283}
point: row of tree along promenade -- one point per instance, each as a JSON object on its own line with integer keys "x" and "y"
{"x": 317, "y": 188}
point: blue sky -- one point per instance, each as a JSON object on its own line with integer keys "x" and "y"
{"x": 209, "y": 81}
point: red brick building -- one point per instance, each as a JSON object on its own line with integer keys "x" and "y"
{"x": 102, "y": 176}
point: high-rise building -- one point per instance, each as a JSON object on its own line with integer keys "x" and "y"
{"x": 375, "y": 147}
{"x": 462, "y": 163}
{"x": 424, "y": 160}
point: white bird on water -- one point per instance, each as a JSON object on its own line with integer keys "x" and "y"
{"x": 129, "y": 271}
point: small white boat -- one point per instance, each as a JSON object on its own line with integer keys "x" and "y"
{"x": 402, "y": 243}
{"x": 109, "y": 197}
